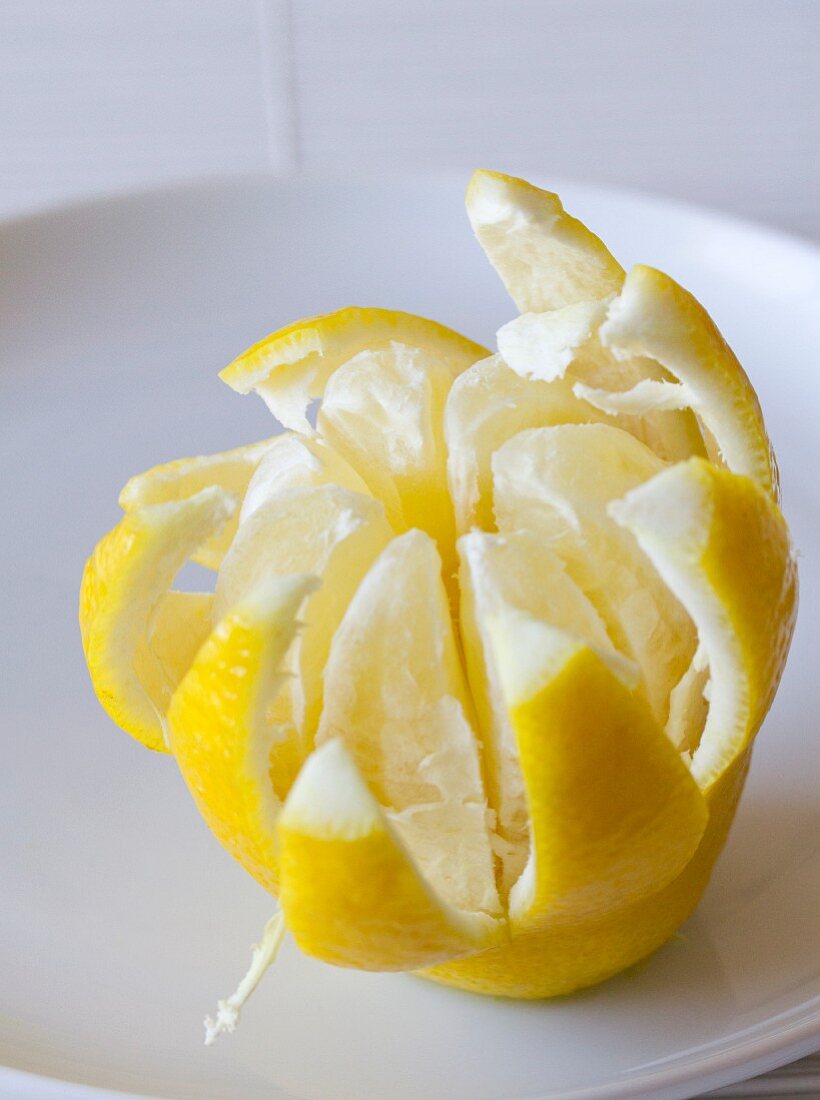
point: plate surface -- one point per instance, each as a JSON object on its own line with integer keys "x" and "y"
{"x": 122, "y": 920}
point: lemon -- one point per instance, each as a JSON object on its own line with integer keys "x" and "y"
{"x": 476, "y": 691}
{"x": 331, "y": 533}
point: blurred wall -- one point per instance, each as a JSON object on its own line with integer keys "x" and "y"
{"x": 717, "y": 101}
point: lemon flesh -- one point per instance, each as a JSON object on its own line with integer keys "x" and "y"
{"x": 476, "y": 690}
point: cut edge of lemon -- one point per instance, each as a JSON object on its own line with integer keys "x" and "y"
{"x": 655, "y": 317}
{"x": 184, "y": 477}
{"x": 721, "y": 545}
{"x": 351, "y": 894}
{"x": 544, "y": 256}
{"x": 124, "y": 582}
{"x": 219, "y": 724}
{"x": 606, "y": 828}
{"x": 292, "y": 366}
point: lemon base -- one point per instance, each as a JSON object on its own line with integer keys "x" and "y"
{"x": 558, "y": 959}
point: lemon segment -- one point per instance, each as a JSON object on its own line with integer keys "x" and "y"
{"x": 395, "y": 694}
{"x": 184, "y": 477}
{"x": 383, "y": 411}
{"x": 721, "y": 544}
{"x": 486, "y": 406}
{"x": 292, "y": 366}
{"x": 124, "y": 583}
{"x": 324, "y": 530}
{"x": 229, "y": 751}
{"x": 657, "y": 318}
{"x": 558, "y": 482}
{"x": 511, "y": 571}
{"x": 296, "y": 461}
{"x": 350, "y": 892}
{"x": 545, "y": 257}
{"x": 614, "y": 813}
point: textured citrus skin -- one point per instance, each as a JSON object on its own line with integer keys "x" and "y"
{"x": 343, "y": 334}
{"x": 218, "y": 731}
{"x": 749, "y": 560}
{"x": 561, "y": 958}
{"x": 607, "y": 827}
{"x": 735, "y": 558}
{"x": 293, "y": 365}
{"x": 657, "y": 317}
{"x": 360, "y": 903}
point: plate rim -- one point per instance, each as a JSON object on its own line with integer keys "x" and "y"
{"x": 205, "y": 182}
{"x": 797, "y": 1033}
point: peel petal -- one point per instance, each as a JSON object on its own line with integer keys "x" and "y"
{"x": 124, "y": 583}
{"x": 722, "y": 546}
{"x": 657, "y": 318}
{"x": 615, "y": 814}
{"x": 182, "y": 623}
{"x": 219, "y": 724}
{"x": 292, "y": 365}
{"x": 350, "y": 892}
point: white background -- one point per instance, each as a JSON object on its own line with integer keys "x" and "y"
{"x": 714, "y": 101}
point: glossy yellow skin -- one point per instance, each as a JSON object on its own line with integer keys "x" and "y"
{"x": 218, "y": 731}
{"x": 736, "y": 555}
{"x": 350, "y": 894}
{"x": 560, "y": 958}
{"x": 748, "y": 558}
{"x": 292, "y": 366}
{"x": 658, "y": 318}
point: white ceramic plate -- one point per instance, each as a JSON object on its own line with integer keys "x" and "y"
{"x": 122, "y": 920}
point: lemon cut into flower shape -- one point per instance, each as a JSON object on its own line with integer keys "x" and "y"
{"x": 476, "y": 691}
